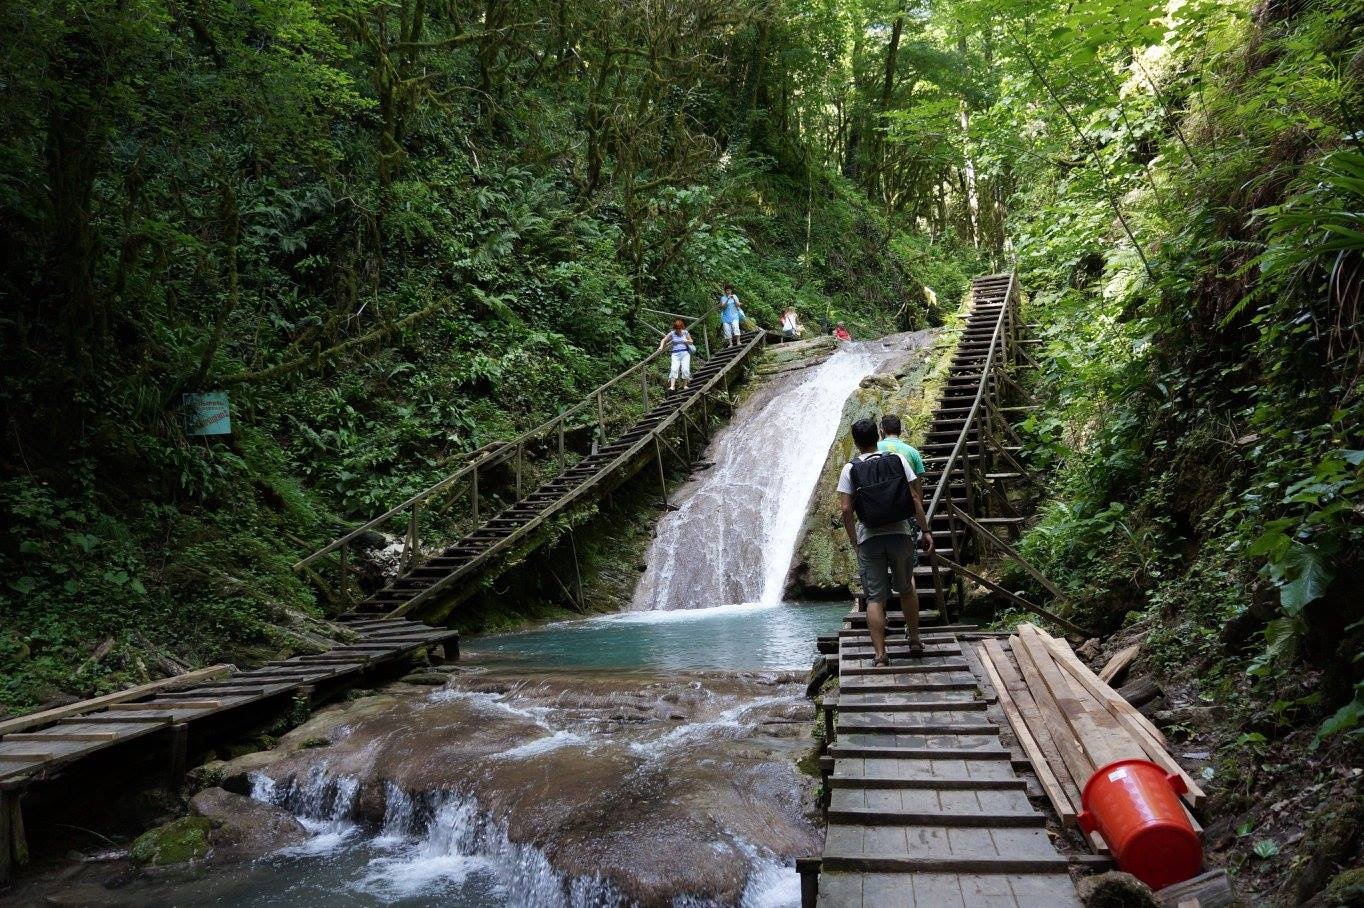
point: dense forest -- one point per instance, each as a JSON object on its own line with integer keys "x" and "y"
{"x": 394, "y": 230}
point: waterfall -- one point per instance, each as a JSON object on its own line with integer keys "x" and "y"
{"x": 732, "y": 539}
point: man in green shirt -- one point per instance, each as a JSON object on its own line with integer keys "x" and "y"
{"x": 890, "y": 443}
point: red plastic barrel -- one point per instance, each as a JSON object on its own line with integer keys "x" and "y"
{"x": 1134, "y": 804}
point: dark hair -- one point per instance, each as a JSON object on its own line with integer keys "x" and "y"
{"x": 728, "y": 287}
{"x": 890, "y": 424}
{"x": 864, "y": 434}
{"x": 678, "y": 323}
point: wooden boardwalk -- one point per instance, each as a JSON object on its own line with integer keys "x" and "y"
{"x": 926, "y": 807}
{"x": 515, "y": 525}
{"x": 925, "y": 804}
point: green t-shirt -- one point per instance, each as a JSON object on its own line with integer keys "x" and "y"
{"x": 896, "y": 446}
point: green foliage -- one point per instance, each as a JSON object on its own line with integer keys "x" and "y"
{"x": 1202, "y": 427}
{"x": 394, "y": 232}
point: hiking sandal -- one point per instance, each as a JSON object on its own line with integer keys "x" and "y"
{"x": 916, "y": 647}
{"x": 881, "y": 662}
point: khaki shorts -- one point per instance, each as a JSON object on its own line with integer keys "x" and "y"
{"x": 882, "y": 555}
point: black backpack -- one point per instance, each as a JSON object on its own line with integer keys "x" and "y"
{"x": 881, "y": 492}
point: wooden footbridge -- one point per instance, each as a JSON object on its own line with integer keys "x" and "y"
{"x": 925, "y": 803}
{"x": 177, "y": 717}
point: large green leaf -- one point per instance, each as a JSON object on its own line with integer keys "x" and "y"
{"x": 1303, "y": 575}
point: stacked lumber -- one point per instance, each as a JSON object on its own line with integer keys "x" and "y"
{"x": 1068, "y": 721}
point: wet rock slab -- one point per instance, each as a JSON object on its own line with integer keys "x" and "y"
{"x": 661, "y": 786}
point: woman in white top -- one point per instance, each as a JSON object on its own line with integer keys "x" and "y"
{"x": 790, "y": 325}
{"x": 679, "y": 339}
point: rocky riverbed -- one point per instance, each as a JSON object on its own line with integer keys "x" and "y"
{"x": 494, "y": 785}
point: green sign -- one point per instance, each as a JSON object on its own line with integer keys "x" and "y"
{"x": 207, "y": 414}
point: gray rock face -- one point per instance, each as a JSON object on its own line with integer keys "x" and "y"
{"x": 662, "y": 787}
{"x": 246, "y": 827}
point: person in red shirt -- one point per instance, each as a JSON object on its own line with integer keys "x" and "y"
{"x": 842, "y": 333}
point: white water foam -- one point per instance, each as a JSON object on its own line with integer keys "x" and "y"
{"x": 732, "y": 539}
{"x": 729, "y": 722}
{"x": 542, "y": 745}
{"x": 431, "y": 846}
{"x": 770, "y": 883}
{"x": 323, "y": 803}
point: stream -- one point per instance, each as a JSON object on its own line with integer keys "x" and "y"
{"x": 647, "y": 757}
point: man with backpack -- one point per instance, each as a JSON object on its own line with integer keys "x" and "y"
{"x": 891, "y": 444}
{"x": 878, "y": 496}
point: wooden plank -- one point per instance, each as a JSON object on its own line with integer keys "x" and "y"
{"x": 68, "y": 736}
{"x": 110, "y": 719}
{"x": 29, "y": 757}
{"x": 74, "y": 709}
{"x": 1099, "y": 744}
{"x": 168, "y": 706}
{"x": 1122, "y": 713}
{"x": 1114, "y": 701}
{"x": 1060, "y": 802}
{"x": 1118, "y": 664}
{"x": 1076, "y": 764}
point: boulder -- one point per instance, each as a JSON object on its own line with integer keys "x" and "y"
{"x": 1115, "y": 890}
{"x": 430, "y": 678}
{"x": 885, "y": 382}
{"x": 176, "y": 842}
{"x": 1346, "y": 888}
{"x": 243, "y": 825}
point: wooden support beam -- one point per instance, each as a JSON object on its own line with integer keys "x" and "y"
{"x": 179, "y": 750}
{"x": 1008, "y": 594}
{"x": 1119, "y": 663}
{"x": 13, "y": 841}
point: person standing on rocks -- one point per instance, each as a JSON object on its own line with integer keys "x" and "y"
{"x": 790, "y": 325}
{"x": 730, "y": 316}
{"x": 891, "y": 444}
{"x": 877, "y": 497}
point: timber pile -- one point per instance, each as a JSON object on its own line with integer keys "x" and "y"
{"x": 1068, "y": 721}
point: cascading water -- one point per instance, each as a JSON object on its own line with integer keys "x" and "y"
{"x": 732, "y": 539}
{"x": 443, "y": 848}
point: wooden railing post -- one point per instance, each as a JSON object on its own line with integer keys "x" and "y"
{"x": 563, "y": 459}
{"x": 939, "y": 595}
{"x": 705, "y": 336}
{"x": 601, "y": 424}
{"x": 411, "y": 541}
{"x": 662, "y": 477}
{"x": 520, "y": 460}
{"x": 644, "y": 386}
{"x": 474, "y": 495}
{"x": 345, "y": 578}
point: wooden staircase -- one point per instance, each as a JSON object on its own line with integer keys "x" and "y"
{"x": 515, "y": 525}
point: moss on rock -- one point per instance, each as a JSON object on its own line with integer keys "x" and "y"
{"x": 1346, "y": 888}
{"x": 176, "y": 842}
